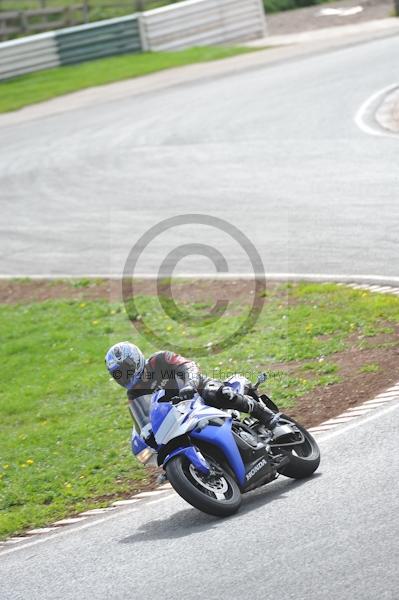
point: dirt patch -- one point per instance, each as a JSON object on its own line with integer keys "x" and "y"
{"x": 39, "y": 290}
{"x": 201, "y": 290}
{"x": 357, "y": 385}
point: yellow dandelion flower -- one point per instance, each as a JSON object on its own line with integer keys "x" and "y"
{"x": 94, "y": 322}
{"x": 30, "y": 461}
{"x": 82, "y": 304}
{"x": 6, "y": 466}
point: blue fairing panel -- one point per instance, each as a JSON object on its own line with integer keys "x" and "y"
{"x": 222, "y": 438}
{"x": 138, "y": 444}
{"x": 193, "y": 455}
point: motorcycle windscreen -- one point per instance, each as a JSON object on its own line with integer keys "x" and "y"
{"x": 140, "y": 409}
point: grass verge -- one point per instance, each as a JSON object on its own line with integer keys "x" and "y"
{"x": 44, "y": 85}
{"x": 273, "y": 6}
{"x": 64, "y": 426}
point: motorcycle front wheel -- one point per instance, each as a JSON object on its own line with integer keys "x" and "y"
{"x": 215, "y": 494}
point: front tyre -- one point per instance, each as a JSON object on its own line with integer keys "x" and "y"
{"x": 215, "y": 494}
{"x": 304, "y": 457}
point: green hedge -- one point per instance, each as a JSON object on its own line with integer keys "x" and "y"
{"x": 278, "y": 5}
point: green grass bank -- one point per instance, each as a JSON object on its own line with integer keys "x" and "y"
{"x": 65, "y": 427}
{"x": 44, "y": 85}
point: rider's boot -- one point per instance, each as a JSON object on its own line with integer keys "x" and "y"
{"x": 224, "y": 396}
{"x": 263, "y": 414}
{"x": 247, "y": 404}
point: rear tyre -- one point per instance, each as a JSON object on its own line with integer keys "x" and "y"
{"x": 215, "y": 494}
{"x": 304, "y": 458}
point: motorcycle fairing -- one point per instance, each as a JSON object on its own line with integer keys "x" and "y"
{"x": 193, "y": 455}
{"x": 222, "y": 437}
{"x": 138, "y": 444}
{"x": 171, "y": 421}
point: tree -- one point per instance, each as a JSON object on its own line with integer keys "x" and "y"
{"x": 396, "y": 7}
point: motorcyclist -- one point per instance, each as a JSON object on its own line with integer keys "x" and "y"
{"x": 178, "y": 376}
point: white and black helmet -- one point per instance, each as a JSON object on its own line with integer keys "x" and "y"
{"x": 125, "y": 362}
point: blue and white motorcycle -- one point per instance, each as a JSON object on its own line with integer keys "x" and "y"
{"x": 211, "y": 456}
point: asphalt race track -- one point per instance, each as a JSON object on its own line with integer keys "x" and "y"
{"x": 274, "y": 150}
{"x": 333, "y": 536}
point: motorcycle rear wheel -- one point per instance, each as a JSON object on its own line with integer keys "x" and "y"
{"x": 217, "y": 494}
{"x": 304, "y": 459}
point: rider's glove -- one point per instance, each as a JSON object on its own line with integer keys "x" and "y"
{"x": 187, "y": 392}
{"x": 227, "y": 393}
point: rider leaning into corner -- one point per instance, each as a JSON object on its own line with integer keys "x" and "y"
{"x": 178, "y": 376}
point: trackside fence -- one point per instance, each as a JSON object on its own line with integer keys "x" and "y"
{"x": 105, "y": 38}
{"x": 176, "y": 26}
{"x": 202, "y": 22}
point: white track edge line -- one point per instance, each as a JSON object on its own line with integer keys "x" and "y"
{"x": 359, "y": 421}
{"x": 64, "y": 531}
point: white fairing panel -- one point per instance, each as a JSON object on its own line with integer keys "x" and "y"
{"x": 184, "y": 417}
{"x": 240, "y": 382}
